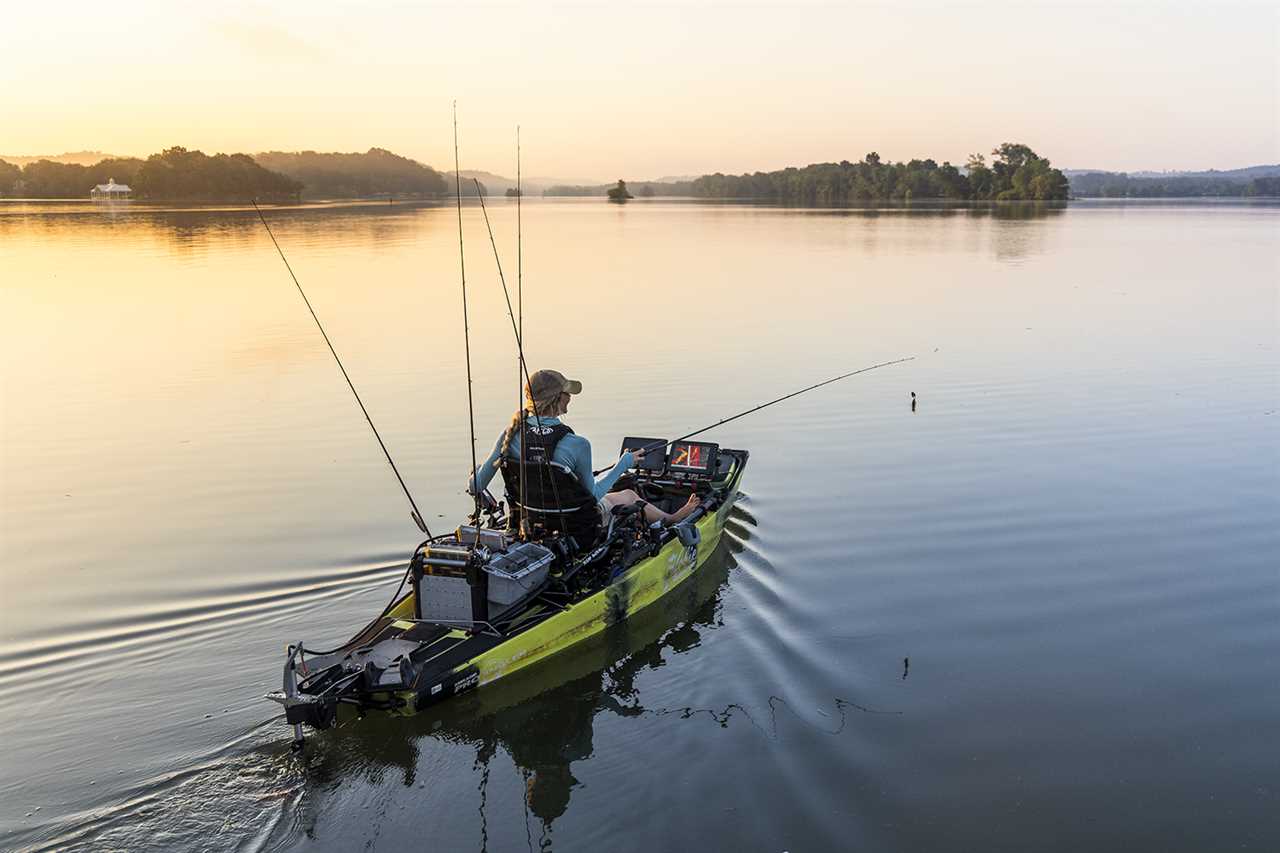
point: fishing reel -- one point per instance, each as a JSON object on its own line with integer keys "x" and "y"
{"x": 491, "y": 508}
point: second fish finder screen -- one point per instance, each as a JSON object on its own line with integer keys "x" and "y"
{"x": 655, "y": 459}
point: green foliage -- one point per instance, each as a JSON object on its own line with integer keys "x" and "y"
{"x": 1020, "y": 175}
{"x": 1121, "y": 185}
{"x": 574, "y": 190}
{"x": 375, "y": 172}
{"x": 1017, "y": 173}
{"x": 619, "y": 193}
{"x": 9, "y": 177}
{"x": 47, "y": 179}
{"x": 647, "y": 189}
{"x": 123, "y": 170}
{"x": 1269, "y": 187}
{"x": 175, "y": 174}
{"x": 179, "y": 174}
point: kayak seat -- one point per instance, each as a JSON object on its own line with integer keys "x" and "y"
{"x": 554, "y": 502}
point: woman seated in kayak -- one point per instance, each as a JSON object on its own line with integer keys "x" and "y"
{"x": 547, "y": 396}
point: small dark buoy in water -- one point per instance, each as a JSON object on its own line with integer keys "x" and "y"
{"x": 913, "y": 401}
{"x": 906, "y": 665}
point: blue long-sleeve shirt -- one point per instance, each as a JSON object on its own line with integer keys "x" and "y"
{"x": 573, "y": 451}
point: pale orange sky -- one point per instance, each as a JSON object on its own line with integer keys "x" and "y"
{"x": 642, "y": 90}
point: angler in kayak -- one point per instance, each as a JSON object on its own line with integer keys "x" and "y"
{"x": 561, "y": 460}
{"x": 565, "y": 560}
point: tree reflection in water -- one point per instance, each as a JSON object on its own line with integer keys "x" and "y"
{"x": 545, "y": 733}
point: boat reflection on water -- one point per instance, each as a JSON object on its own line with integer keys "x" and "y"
{"x": 543, "y": 719}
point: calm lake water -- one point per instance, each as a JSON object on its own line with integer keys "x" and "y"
{"x": 1042, "y": 611}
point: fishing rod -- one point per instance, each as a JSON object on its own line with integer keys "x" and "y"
{"x": 522, "y": 365}
{"x": 524, "y": 440}
{"x": 414, "y": 514}
{"x": 466, "y": 328}
{"x": 519, "y": 243}
{"x": 686, "y": 436}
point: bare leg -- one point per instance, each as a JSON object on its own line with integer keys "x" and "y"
{"x": 627, "y": 497}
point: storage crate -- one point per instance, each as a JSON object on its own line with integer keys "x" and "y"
{"x": 517, "y": 573}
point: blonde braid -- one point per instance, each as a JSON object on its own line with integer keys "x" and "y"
{"x": 506, "y": 440}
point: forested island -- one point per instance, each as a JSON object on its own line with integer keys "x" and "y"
{"x": 619, "y": 192}
{"x": 1016, "y": 173}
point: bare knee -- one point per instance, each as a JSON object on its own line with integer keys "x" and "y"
{"x": 626, "y": 497}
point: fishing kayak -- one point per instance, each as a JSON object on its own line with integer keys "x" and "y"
{"x": 484, "y": 603}
{"x": 516, "y": 585}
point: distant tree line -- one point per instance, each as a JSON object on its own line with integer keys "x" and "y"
{"x": 643, "y": 189}
{"x": 174, "y": 174}
{"x": 1016, "y": 174}
{"x": 375, "y": 172}
{"x": 1265, "y": 187}
{"x": 47, "y": 179}
{"x": 575, "y": 190}
{"x": 1121, "y": 185}
{"x": 177, "y": 174}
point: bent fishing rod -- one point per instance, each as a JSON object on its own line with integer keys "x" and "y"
{"x": 414, "y": 514}
{"x": 687, "y": 436}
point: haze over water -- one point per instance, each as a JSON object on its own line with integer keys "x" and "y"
{"x": 1039, "y": 612}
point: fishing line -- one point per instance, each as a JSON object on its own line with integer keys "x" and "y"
{"x": 415, "y": 514}
{"x": 466, "y": 329}
{"x": 788, "y": 397}
{"x": 662, "y": 444}
{"x": 505, "y": 292}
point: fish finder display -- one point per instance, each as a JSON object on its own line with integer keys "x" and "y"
{"x": 693, "y": 457}
{"x": 655, "y": 460}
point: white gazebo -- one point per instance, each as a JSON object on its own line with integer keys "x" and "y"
{"x": 110, "y": 191}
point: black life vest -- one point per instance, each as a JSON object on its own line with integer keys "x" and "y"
{"x": 554, "y": 498}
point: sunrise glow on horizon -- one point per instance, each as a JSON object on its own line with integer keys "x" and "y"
{"x": 651, "y": 91}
